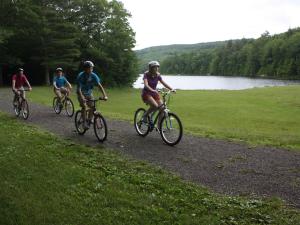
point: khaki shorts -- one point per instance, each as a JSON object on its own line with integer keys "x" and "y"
{"x": 85, "y": 104}
{"x": 61, "y": 90}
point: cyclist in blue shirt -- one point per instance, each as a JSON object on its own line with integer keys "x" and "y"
{"x": 86, "y": 81}
{"x": 60, "y": 84}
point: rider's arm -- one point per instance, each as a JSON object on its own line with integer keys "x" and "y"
{"x": 54, "y": 85}
{"x": 14, "y": 85}
{"x": 166, "y": 85}
{"x": 28, "y": 84}
{"x": 79, "y": 92}
{"x": 147, "y": 86}
{"x": 67, "y": 82}
{"x": 69, "y": 85}
{"x": 102, "y": 90}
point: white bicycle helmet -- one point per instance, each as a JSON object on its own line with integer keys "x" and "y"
{"x": 88, "y": 64}
{"x": 153, "y": 63}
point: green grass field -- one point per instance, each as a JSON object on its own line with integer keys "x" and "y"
{"x": 261, "y": 116}
{"x": 48, "y": 180}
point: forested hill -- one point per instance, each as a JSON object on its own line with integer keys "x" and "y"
{"x": 269, "y": 56}
{"x": 43, "y": 35}
{"x": 162, "y": 52}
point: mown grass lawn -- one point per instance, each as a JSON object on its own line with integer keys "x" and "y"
{"x": 260, "y": 116}
{"x": 47, "y": 180}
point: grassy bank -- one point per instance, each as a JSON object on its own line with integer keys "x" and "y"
{"x": 47, "y": 180}
{"x": 261, "y": 116}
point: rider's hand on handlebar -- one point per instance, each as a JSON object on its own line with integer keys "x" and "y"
{"x": 30, "y": 89}
{"x": 173, "y": 90}
{"x": 104, "y": 98}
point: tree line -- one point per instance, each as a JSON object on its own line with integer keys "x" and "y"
{"x": 270, "y": 55}
{"x": 41, "y": 35}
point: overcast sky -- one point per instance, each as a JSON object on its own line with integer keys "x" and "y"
{"x": 163, "y": 22}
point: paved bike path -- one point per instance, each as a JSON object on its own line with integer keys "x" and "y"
{"x": 223, "y": 166}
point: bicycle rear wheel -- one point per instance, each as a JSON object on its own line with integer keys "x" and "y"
{"x": 170, "y": 128}
{"x": 100, "y": 127}
{"x": 141, "y": 127}
{"x": 25, "y": 109}
{"x": 69, "y": 106}
{"x": 79, "y": 123}
{"x": 56, "y": 105}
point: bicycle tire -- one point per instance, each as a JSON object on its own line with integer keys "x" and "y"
{"x": 17, "y": 109}
{"x": 100, "y": 127}
{"x": 25, "y": 109}
{"x": 138, "y": 123}
{"x": 56, "y": 105}
{"x": 166, "y": 120}
{"x": 79, "y": 123}
{"x": 69, "y": 107}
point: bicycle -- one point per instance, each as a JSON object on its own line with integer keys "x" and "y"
{"x": 98, "y": 121}
{"x": 21, "y": 106}
{"x": 169, "y": 127}
{"x": 66, "y": 103}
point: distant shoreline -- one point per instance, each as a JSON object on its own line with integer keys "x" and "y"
{"x": 292, "y": 78}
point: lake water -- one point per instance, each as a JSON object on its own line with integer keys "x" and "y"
{"x": 216, "y": 82}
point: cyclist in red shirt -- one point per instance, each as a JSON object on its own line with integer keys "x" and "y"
{"x": 18, "y": 81}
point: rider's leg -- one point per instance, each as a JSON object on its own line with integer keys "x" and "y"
{"x": 83, "y": 106}
{"x": 67, "y": 92}
{"x": 23, "y": 94}
{"x": 91, "y": 105}
{"x": 15, "y": 100}
{"x": 152, "y": 103}
{"x": 58, "y": 94}
{"x": 161, "y": 111}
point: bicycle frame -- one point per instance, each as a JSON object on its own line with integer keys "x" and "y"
{"x": 20, "y": 98}
{"x": 163, "y": 108}
{"x": 93, "y": 107}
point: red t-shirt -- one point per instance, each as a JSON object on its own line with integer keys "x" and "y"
{"x": 20, "y": 80}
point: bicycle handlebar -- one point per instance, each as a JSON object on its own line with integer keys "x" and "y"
{"x": 165, "y": 92}
{"x": 22, "y": 89}
{"x": 96, "y": 100}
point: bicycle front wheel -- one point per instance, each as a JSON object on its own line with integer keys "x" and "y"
{"x": 141, "y": 126}
{"x": 17, "y": 109}
{"x": 79, "y": 123}
{"x": 25, "y": 109}
{"x": 56, "y": 105}
{"x": 100, "y": 127}
{"x": 170, "y": 128}
{"x": 69, "y": 106}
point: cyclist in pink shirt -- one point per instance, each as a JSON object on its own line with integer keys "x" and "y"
{"x": 149, "y": 93}
{"x": 18, "y": 81}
